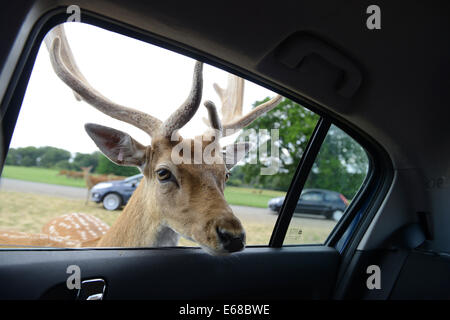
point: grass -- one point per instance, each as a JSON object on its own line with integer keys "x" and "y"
{"x": 42, "y": 175}
{"x": 28, "y": 212}
{"x": 250, "y": 197}
{"x": 234, "y": 195}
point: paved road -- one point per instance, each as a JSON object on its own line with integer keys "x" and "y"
{"x": 248, "y": 213}
{"x": 42, "y": 188}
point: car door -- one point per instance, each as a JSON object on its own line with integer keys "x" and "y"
{"x": 272, "y": 271}
{"x": 311, "y": 202}
{"x": 129, "y": 187}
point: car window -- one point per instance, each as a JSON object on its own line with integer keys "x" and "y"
{"x": 312, "y": 196}
{"x": 331, "y": 196}
{"x": 56, "y": 174}
{"x": 339, "y": 169}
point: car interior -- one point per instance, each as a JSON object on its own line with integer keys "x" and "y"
{"x": 384, "y": 87}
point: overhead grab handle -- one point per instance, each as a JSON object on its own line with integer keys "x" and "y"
{"x": 314, "y": 68}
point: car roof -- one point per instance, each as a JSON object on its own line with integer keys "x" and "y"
{"x": 319, "y": 190}
{"x": 140, "y": 175}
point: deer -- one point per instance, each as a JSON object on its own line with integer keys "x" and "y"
{"x": 174, "y": 198}
{"x": 13, "y": 238}
{"x": 91, "y": 181}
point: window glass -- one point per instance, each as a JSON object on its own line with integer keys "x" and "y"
{"x": 53, "y": 161}
{"x": 58, "y": 185}
{"x": 338, "y": 171}
{"x": 311, "y": 196}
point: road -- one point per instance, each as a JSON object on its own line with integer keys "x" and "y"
{"x": 263, "y": 215}
{"x": 42, "y": 188}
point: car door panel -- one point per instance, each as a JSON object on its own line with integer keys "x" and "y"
{"x": 302, "y": 272}
{"x": 309, "y": 205}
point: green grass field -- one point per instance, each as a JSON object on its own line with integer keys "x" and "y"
{"x": 234, "y": 195}
{"x": 43, "y": 175}
{"x": 250, "y": 197}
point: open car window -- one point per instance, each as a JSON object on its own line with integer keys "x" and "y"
{"x": 68, "y": 184}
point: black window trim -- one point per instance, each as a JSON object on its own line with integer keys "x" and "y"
{"x": 298, "y": 182}
{"x": 376, "y": 184}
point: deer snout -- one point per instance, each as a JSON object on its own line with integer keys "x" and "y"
{"x": 230, "y": 234}
{"x": 230, "y": 241}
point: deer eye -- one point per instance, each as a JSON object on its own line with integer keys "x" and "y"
{"x": 227, "y": 176}
{"x": 163, "y": 174}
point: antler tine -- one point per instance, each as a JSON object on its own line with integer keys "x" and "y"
{"x": 244, "y": 121}
{"x": 188, "y": 109}
{"x": 232, "y": 98}
{"x": 232, "y": 101}
{"x": 65, "y": 67}
{"x": 213, "y": 116}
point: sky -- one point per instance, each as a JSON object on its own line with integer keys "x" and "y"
{"x": 128, "y": 71}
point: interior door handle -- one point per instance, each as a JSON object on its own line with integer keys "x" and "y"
{"x": 92, "y": 289}
{"x": 98, "y": 296}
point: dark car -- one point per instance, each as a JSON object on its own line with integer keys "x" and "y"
{"x": 329, "y": 203}
{"x": 114, "y": 194}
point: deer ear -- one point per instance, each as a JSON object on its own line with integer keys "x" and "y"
{"x": 234, "y": 153}
{"x": 118, "y": 146}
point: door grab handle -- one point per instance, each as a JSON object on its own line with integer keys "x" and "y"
{"x": 92, "y": 289}
{"x": 98, "y": 296}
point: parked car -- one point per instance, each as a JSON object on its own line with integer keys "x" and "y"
{"x": 116, "y": 193}
{"x": 329, "y": 203}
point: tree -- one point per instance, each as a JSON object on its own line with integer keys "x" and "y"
{"x": 27, "y": 156}
{"x": 12, "y": 158}
{"x": 86, "y": 160}
{"x": 31, "y": 156}
{"x": 341, "y": 165}
{"x": 28, "y": 161}
{"x": 295, "y": 125}
{"x": 50, "y": 156}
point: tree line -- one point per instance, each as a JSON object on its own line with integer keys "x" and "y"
{"x": 56, "y": 158}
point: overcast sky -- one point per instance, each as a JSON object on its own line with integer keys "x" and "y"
{"x": 125, "y": 70}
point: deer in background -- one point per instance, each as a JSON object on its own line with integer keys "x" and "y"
{"x": 173, "y": 199}
{"x": 91, "y": 180}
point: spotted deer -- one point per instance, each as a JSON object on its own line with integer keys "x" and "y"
{"x": 174, "y": 198}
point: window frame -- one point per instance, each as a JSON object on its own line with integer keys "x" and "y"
{"x": 359, "y": 214}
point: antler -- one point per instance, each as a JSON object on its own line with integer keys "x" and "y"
{"x": 65, "y": 67}
{"x": 232, "y": 100}
{"x": 187, "y": 110}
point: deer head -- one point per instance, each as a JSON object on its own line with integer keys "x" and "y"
{"x": 184, "y": 198}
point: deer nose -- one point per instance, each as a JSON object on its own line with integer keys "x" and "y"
{"x": 231, "y": 242}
